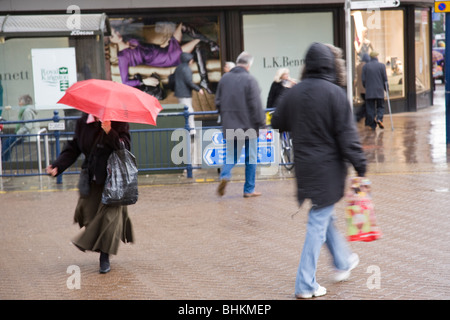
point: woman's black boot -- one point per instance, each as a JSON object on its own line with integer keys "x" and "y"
{"x": 104, "y": 263}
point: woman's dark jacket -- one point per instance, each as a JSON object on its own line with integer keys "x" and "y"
{"x": 276, "y": 91}
{"x": 183, "y": 78}
{"x": 86, "y": 135}
{"x": 318, "y": 115}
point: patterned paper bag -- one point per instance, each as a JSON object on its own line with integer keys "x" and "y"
{"x": 360, "y": 212}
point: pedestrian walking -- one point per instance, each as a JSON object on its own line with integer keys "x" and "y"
{"x": 228, "y": 66}
{"x": 360, "y": 90}
{"x": 281, "y": 82}
{"x": 374, "y": 79}
{"x": 324, "y": 135}
{"x": 239, "y": 103}
{"x": 105, "y": 225}
{"x": 184, "y": 86}
{"x": 27, "y": 112}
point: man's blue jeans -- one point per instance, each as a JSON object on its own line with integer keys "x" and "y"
{"x": 320, "y": 229}
{"x": 233, "y": 152}
{"x": 8, "y": 144}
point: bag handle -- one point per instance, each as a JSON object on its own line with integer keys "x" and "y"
{"x": 122, "y": 144}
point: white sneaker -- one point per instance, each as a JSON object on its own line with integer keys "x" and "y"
{"x": 344, "y": 275}
{"x": 321, "y": 291}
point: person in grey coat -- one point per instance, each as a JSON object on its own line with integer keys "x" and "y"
{"x": 318, "y": 115}
{"x": 374, "y": 80}
{"x": 27, "y": 112}
{"x": 184, "y": 85}
{"x": 238, "y": 99}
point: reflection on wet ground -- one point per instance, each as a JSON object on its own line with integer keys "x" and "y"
{"x": 416, "y": 137}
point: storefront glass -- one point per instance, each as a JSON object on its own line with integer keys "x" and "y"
{"x": 381, "y": 31}
{"x": 143, "y": 51}
{"x": 422, "y": 40}
{"x": 43, "y": 68}
{"x": 16, "y": 66}
{"x": 281, "y": 40}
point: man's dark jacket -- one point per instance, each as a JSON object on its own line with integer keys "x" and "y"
{"x": 318, "y": 115}
{"x": 238, "y": 99}
{"x": 374, "y": 79}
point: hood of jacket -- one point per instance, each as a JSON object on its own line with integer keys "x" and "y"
{"x": 319, "y": 63}
{"x": 186, "y": 57}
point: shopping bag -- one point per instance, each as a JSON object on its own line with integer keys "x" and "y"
{"x": 121, "y": 184}
{"x": 360, "y": 211}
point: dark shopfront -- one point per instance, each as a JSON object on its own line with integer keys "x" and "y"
{"x": 277, "y": 35}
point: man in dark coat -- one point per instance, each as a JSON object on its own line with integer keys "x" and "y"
{"x": 318, "y": 115}
{"x": 374, "y": 79}
{"x": 184, "y": 85}
{"x": 239, "y": 103}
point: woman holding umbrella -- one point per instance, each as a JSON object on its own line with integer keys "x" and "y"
{"x": 105, "y": 226}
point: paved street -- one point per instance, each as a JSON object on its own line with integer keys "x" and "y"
{"x": 192, "y": 244}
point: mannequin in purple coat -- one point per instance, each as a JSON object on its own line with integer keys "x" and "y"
{"x": 132, "y": 53}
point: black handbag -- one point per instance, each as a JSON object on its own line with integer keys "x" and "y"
{"x": 121, "y": 184}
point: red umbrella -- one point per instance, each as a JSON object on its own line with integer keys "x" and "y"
{"x": 109, "y": 100}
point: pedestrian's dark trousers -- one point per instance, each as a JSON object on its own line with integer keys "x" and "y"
{"x": 361, "y": 113}
{"x": 374, "y": 107}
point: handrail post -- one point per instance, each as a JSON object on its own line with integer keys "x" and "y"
{"x": 57, "y": 134}
{"x": 38, "y": 145}
{"x": 188, "y": 148}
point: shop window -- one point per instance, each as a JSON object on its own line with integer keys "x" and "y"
{"x": 422, "y": 40}
{"x": 16, "y": 70}
{"x": 44, "y": 68}
{"x": 144, "y": 51}
{"x": 281, "y": 41}
{"x": 381, "y": 31}
{"x": 42, "y": 55}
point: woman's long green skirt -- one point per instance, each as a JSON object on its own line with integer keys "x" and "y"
{"x": 104, "y": 226}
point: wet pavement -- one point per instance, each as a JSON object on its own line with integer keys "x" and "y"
{"x": 192, "y": 244}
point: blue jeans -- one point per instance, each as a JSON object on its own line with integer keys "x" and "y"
{"x": 8, "y": 144}
{"x": 320, "y": 229}
{"x": 233, "y": 152}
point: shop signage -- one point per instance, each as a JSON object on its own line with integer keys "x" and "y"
{"x": 355, "y": 5}
{"x": 215, "y": 153}
{"x": 54, "y": 71}
{"x": 56, "y": 126}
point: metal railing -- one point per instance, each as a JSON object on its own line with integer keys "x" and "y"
{"x": 152, "y": 147}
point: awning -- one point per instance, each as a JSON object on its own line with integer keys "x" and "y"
{"x": 12, "y": 26}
